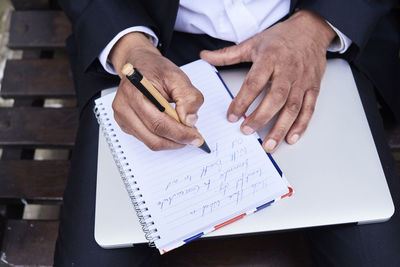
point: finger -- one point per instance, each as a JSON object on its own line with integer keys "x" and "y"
{"x": 271, "y": 104}
{"x": 160, "y": 124}
{"x": 188, "y": 99}
{"x": 130, "y": 123}
{"x": 255, "y": 82}
{"x": 227, "y": 55}
{"x": 285, "y": 120}
{"x": 306, "y": 112}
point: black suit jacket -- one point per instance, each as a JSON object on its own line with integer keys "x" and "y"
{"x": 96, "y": 22}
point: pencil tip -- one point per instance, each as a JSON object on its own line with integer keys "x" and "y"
{"x": 205, "y": 147}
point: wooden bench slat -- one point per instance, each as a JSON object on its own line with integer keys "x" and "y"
{"x": 30, "y": 4}
{"x": 38, "y": 127}
{"x": 32, "y": 243}
{"x": 33, "y": 180}
{"x": 29, "y": 243}
{"x": 38, "y": 29}
{"x": 37, "y": 78}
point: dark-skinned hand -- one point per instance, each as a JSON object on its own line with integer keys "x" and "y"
{"x": 292, "y": 56}
{"x": 140, "y": 118}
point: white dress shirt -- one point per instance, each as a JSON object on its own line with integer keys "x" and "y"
{"x": 230, "y": 20}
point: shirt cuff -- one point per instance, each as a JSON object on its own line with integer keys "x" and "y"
{"x": 341, "y": 43}
{"x": 103, "y": 57}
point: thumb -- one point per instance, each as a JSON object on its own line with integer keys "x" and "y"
{"x": 226, "y": 56}
{"x": 188, "y": 100}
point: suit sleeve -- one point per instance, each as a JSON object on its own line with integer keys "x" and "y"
{"x": 355, "y": 18}
{"x": 96, "y": 22}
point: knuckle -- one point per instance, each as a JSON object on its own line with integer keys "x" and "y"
{"x": 239, "y": 105}
{"x": 224, "y": 51}
{"x": 190, "y": 99}
{"x": 170, "y": 71}
{"x": 279, "y": 132}
{"x": 186, "y": 136}
{"x": 258, "y": 119}
{"x": 117, "y": 115}
{"x": 279, "y": 93}
{"x": 256, "y": 123}
{"x": 158, "y": 127}
{"x": 293, "y": 62}
{"x": 298, "y": 60}
{"x": 176, "y": 74}
{"x": 228, "y": 49}
{"x": 273, "y": 57}
{"x": 314, "y": 90}
{"x": 252, "y": 85}
{"x": 181, "y": 135}
{"x": 125, "y": 129}
{"x": 245, "y": 48}
{"x": 309, "y": 109}
{"x": 199, "y": 97}
{"x": 195, "y": 97}
{"x": 293, "y": 107}
{"x": 278, "y": 44}
{"x": 115, "y": 105}
{"x": 155, "y": 145}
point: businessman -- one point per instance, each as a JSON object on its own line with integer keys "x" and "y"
{"x": 287, "y": 43}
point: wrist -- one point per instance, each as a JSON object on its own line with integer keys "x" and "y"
{"x": 315, "y": 26}
{"x": 127, "y": 46}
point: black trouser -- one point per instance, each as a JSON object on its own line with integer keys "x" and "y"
{"x": 342, "y": 245}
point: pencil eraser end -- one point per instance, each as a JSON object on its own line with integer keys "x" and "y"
{"x": 127, "y": 69}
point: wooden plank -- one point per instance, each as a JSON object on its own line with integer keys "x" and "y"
{"x": 38, "y": 127}
{"x": 33, "y": 180}
{"x": 31, "y": 54}
{"x": 17, "y": 153}
{"x": 11, "y": 153}
{"x": 29, "y": 243}
{"x": 30, "y": 4}
{"x": 42, "y": 211}
{"x": 28, "y": 102}
{"x": 38, "y": 29}
{"x": 37, "y": 78}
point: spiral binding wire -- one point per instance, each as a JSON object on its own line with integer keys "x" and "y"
{"x": 126, "y": 174}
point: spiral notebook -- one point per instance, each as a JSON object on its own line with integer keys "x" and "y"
{"x": 181, "y": 195}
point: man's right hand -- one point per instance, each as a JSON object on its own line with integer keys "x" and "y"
{"x": 136, "y": 115}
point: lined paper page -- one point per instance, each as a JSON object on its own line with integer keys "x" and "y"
{"x": 188, "y": 191}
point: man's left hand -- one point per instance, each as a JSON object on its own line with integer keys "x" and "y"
{"x": 292, "y": 56}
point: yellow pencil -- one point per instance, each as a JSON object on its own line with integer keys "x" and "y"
{"x": 154, "y": 96}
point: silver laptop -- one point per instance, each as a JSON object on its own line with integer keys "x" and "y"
{"x": 334, "y": 169}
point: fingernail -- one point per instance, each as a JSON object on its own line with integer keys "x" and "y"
{"x": 191, "y": 119}
{"x": 270, "y": 145}
{"x": 294, "y": 138}
{"x": 197, "y": 142}
{"x": 232, "y": 118}
{"x": 247, "y": 130}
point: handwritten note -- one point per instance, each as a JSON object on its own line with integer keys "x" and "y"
{"x": 221, "y": 181}
{"x": 188, "y": 191}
